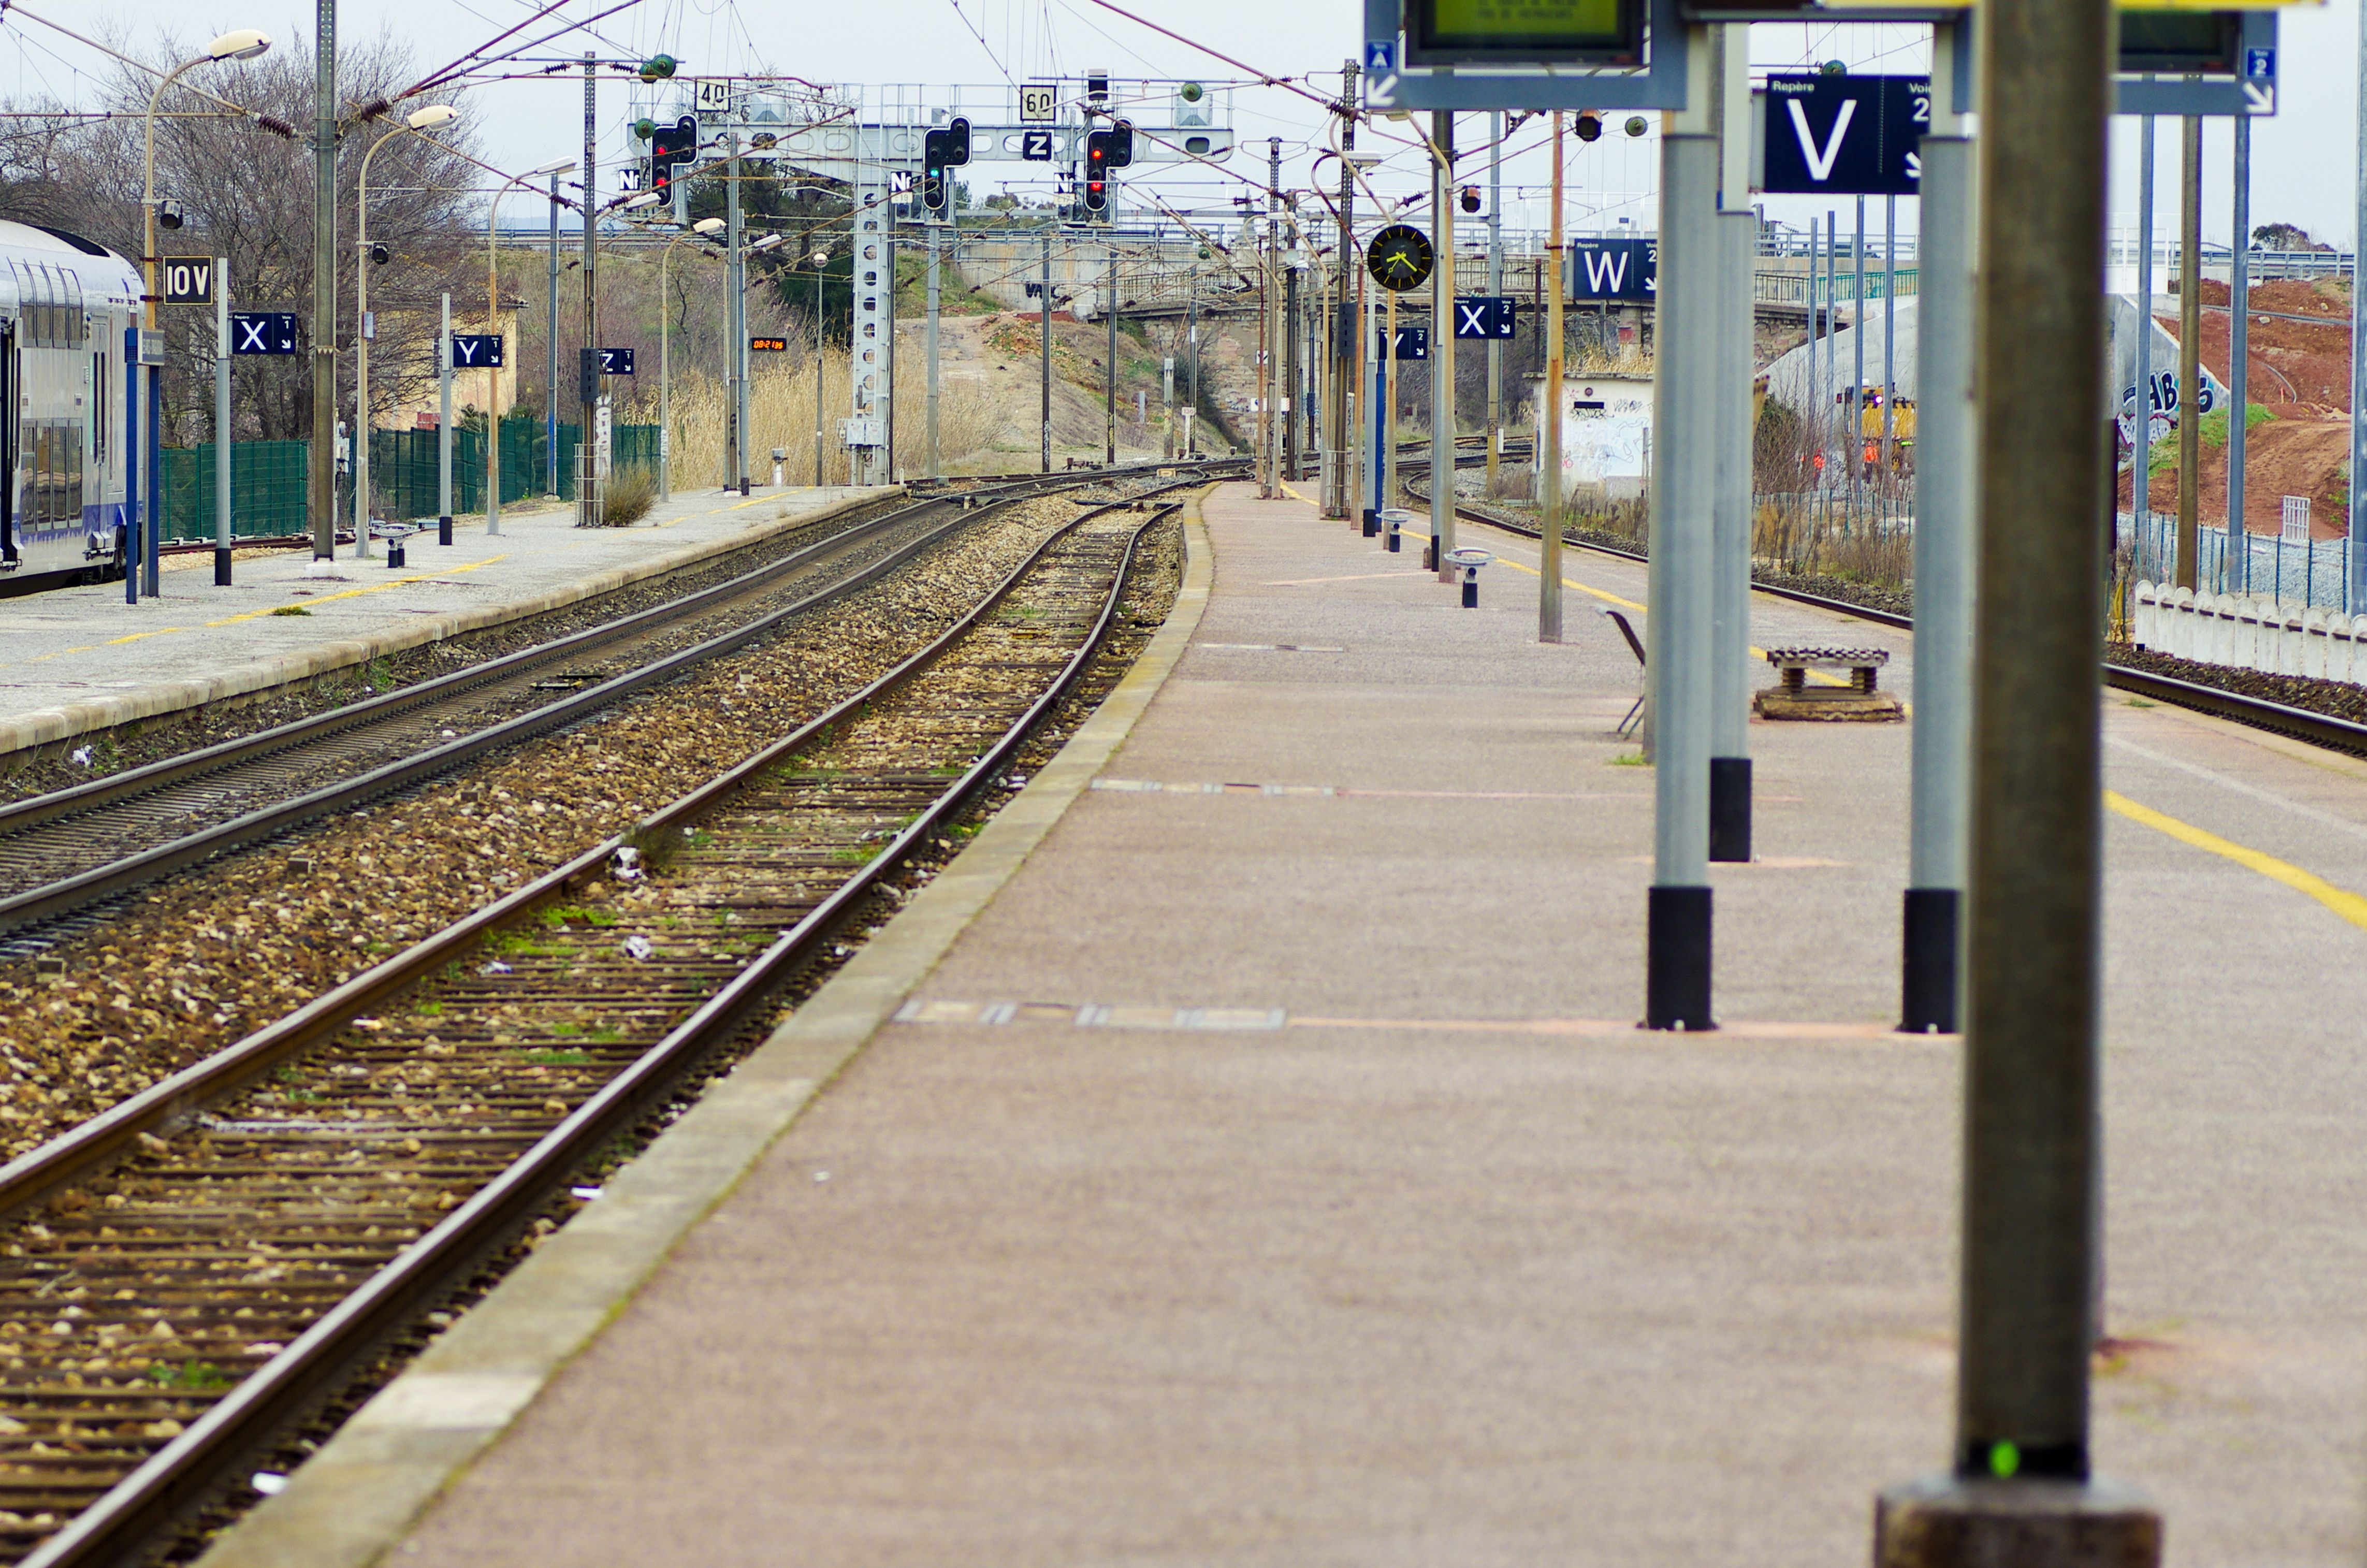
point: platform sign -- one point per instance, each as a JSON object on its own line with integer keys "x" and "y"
{"x": 1412, "y": 343}
{"x": 1484, "y": 317}
{"x": 768, "y": 344}
{"x": 1036, "y": 146}
{"x": 1614, "y": 269}
{"x": 476, "y": 350}
{"x": 615, "y": 362}
{"x": 186, "y": 279}
{"x": 263, "y": 332}
{"x": 1846, "y": 135}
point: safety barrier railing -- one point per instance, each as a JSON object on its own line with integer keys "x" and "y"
{"x": 2313, "y": 572}
{"x": 2248, "y": 631}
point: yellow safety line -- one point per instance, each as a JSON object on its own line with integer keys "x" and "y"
{"x": 2347, "y": 904}
{"x": 357, "y": 593}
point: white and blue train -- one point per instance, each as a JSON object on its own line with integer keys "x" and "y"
{"x": 66, "y": 305}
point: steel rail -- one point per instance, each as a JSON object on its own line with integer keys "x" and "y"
{"x": 74, "y": 894}
{"x": 123, "y": 1524}
{"x": 2318, "y": 729}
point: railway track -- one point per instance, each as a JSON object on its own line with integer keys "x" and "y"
{"x": 2300, "y": 723}
{"x": 66, "y": 853}
{"x": 217, "y": 1255}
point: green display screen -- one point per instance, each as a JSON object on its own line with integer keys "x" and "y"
{"x": 1511, "y": 32}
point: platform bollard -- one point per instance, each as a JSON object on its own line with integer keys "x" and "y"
{"x": 1372, "y": 521}
{"x": 394, "y": 557}
{"x": 1469, "y": 560}
{"x": 1393, "y": 522}
{"x": 443, "y": 530}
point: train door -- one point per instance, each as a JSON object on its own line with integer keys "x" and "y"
{"x": 10, "y": 375}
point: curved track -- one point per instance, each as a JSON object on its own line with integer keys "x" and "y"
{"x": 246, "y": 1234}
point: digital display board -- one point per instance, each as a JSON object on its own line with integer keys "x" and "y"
{"x": 1523, "y": 32}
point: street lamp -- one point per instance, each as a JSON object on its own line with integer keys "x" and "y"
{"x": 245, "y": 43}
{"x": 821, "y": 259}
{"x": 493, "y": 318}
{"x": 698, "y": 231}
{"x": 419, "y": 122}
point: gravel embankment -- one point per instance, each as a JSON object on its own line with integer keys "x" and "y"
{"x": 191, "y": 966}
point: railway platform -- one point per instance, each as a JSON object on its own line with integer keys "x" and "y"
{"x": 1245, "y": 1153}
{"x": 78, "y": 660}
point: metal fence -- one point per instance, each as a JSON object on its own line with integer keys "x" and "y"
{"x": 2309, "y": 575}
{"x": 268, "y": 478}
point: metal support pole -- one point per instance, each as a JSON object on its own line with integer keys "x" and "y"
{"x": 1389, "y": 395}
{"x": 587, "y": 483}
{"x": 1293, "y": 406}
{"x": 1269, "y": 337}
{"x": 152, "y": 584}
{"x": 1495, "y": 289}
{"x": 1684, "y": 492}
{"x": 929, "y": 347}
{"x": 2141, "y": 443}
{"x": 1735, "y": 238}
{"x": 221, "y": 422}
{"x": 2354, "y": 577}
{"x": 1857, "y": 352}
{"x": 324, "y": 465}
{"x": 135, "y": 458}
{"x": 1044, "y": 322}
{"x": 1109, "y": 366}
{"x": 2020, "y": 1491}
{"x": 2235, "y": 559}
{"x": 1945, "y": 513}
{"x": 1442, "y": 346}
{"x": 1889, "y": 323}
{"x": 1343, "y": 431}
{"x": 819, "y": 268}
{"x": 550, "y": 358}
{"x": 1549, "y": 447}
{"x": 1192, "y": 342}
{"x": 444, "y": 422}
{"x": 735, "y": 438}
{"x": 2189, "y": 350}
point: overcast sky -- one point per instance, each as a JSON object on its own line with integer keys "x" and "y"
{"x": 2303, "y": 158}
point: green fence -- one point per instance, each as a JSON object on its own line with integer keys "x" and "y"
{"x": 266, "y": 490}
{"x": 267, "y": 478}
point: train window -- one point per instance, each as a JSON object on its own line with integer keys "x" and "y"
{"x": 70, "y": 478}
{"x": 102, "y": 411}
{"x": 76, "y": 332}
{"x": 44, "y": 329}
{"x": 39, "y": 446}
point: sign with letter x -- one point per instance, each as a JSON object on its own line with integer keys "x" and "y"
{"x": 263, "y": 332}
{"x": 1484, "y": 316}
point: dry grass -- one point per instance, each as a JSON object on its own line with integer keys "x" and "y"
{"x": 630, "y": 493}
{"x": 781, "y": 413}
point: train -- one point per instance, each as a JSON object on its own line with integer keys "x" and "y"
{"x": 66, "y": 305}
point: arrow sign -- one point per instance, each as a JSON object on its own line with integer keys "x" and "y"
{"x": 1411, "y": 343}
{"x": 615, "y": 362}
{"x": 1846, "y": 135}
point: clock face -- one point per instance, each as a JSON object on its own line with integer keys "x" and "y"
{"x": 1399, "y": 257}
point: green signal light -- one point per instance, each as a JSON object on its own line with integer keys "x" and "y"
{"x": 645, "y": 129}
{"x": 1832, "y": 68}
{"x": 657, "y": 68}
{"x": 2005, "y": 1460}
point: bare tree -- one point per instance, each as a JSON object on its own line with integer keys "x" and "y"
{"x": 247, "y": 195}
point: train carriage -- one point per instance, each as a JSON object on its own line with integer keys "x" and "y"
{"x": 65, "y": 306}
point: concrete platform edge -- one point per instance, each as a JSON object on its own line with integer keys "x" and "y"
{"x": 49, "y": 726}
{"x": 349, "y": 1504}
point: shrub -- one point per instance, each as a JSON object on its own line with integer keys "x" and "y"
{"x": 629, "y": 497}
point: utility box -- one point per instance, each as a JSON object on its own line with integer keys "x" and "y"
{"x": 1606, "y": 435}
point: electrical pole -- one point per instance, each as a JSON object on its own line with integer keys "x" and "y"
{"x": 324, "y": 474}
{"x": 2236, "y": 560}
{"x": 587, "y": 483}
{"x": 1109, "y": 370}
{"x": 929, "y": 344}
{"x": 2354, "y": 555}
{"x": 1269, "y": 431}
{"x": 1549, "y": 422}
{"x": 221, "y": 422}
{"x": 1735, "y": 231}
{"x": 1192, "y": 342}
{"x": 2189, "y": 350}
{"x": 1442, "y": 346}
{"x": 2141, "y": 443}
{"x": 1293, "y": 402}
{"x": 1043, "y": 322}
{"x": 444, "y": 422}
{"x": 1341, "y": 485}
{"x": 550, "y": 358}
{"x": 1496, "y": 288}
{"x": 735, "y": 421}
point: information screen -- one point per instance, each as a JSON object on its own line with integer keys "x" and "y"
{"x": 1517, "y": 32}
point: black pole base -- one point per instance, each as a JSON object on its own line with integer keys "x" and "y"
{"x": 1729, "y": 808}
{"x": 1372, "y": 521}
{"x": 1676, "y": 958}
{"x": 221, "y": 566}
{"x": 1430, "y": 554}
{"x": 1393, "y": 542}
{"x": 443, "y": 530}
{"x": 743, "y": 486}
{"x": 394, "y": 559}
{"x": 1929, "y": 1003}
{"x": 1470, "y": 594}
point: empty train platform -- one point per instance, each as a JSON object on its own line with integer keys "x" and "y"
{"x": 1244, "y": 1151}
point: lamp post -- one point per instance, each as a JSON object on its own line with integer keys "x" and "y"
{"x": 493, "y": 318}
{"x": 245, "y": 43}
{"x": 433, "y": 117}
{"x": 700, "y": 230}
{"x": 821, "y": 259}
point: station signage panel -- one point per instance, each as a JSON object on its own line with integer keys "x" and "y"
{"x": 186, "y": 279}
{"x": 615, "y": 362}
{"x": 1846, "y": 135}
{"x": 1412, "y": 343}
{"x": 476, "y": 350}
{"x": 1614, "y": 269}
{"x": 1486, "y": 316}
{"x": 768, "y": 344}
{"x": 263, "y": 332}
